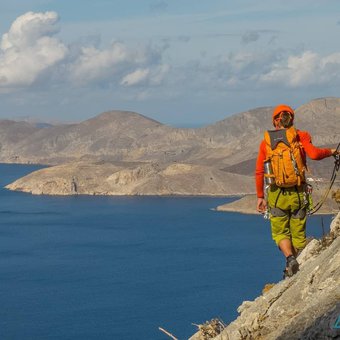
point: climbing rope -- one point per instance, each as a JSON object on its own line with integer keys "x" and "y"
{"x": 318, "y": 205}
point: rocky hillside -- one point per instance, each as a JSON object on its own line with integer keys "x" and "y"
{"x": 128, "y": 136}
{"x": 133, "y": 178}
{"x": 305, "y": 306}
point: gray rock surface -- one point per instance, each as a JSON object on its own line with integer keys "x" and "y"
{"x": 305, "y": 306}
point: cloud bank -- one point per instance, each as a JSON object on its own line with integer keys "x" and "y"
{"x": 30, "y": 51}
{"x": 31, "y": 54}
{"x": 305, "y": 69}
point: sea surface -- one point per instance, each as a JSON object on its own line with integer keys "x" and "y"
{"x": 89, "y": 267}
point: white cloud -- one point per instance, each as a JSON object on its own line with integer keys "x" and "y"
{"x": 28, "y": 28}
{"x": 159, "y": 73}
{"x": 306, "y": 69}
{"x": 93, "y": 64}
{"x": 29, "y": 49}
{"x": 152, "y": 76}
{"x": 118, "y": 65}
{"x": 247, "y": 70}
{"x": 135, "y": 77}
{"x": 242, "y": 70}
{"x": 276, "y": 70}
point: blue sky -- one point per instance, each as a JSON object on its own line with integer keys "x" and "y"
{"x": 189, "y": 62}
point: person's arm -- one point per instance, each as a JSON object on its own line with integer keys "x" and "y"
{"x": 312, "y": 151}
{"x": 259, "y": 178}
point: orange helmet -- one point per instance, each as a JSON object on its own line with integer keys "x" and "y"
{"x": 282, "y": 108}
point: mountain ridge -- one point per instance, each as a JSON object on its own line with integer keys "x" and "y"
{"x": 129, "y": 136}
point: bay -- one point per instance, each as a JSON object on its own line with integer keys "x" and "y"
{"x": 89, "y": 267}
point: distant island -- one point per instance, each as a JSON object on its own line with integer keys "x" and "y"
{"x": 125, "y": 153}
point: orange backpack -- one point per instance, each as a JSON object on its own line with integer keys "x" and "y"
{"x": 284, "y": 153}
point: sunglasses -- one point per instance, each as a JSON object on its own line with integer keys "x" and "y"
{"x": 280, "y": 114}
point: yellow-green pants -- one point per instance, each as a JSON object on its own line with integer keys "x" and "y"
{"x": 288, "y": 215}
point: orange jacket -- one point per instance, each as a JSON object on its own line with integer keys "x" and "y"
{"x": 307, "y": 148}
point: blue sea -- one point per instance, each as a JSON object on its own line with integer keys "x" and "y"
{"x": 89, "y": 267}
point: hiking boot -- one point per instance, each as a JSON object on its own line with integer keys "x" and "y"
{"x": 292, "y": 266}
{"x": 285, "y": 274}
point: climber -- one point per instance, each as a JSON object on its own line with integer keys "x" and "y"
{"x": 281, "y": 164}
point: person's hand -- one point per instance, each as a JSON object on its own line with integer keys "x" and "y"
{"x": 335, "y": 152}
{"x": 261, "y": 205}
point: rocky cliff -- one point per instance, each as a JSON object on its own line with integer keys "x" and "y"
{"x": 305, "y": 306}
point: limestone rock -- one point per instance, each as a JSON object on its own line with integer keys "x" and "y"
{"x": 311, "y": 250}
{"x": 335, "y": 227}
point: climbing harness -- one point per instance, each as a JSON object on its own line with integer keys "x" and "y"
{"x": 318, "y": 205}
